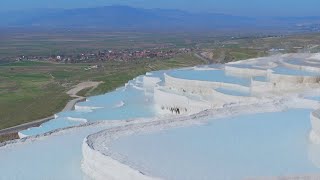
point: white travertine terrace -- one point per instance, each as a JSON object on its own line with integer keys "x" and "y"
{"x": 291, "y": 79}
{"x": 278, "y": 92}
{"x": 95, "y": 161}
{"x": 150, "y": 82}
{"x": 166, "y": 101}
{"x": 315, "y": 122}
{"x": 310, "y": 67}
{"x": 315, "y": 56}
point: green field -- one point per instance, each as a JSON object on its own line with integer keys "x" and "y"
{"x": 47, "y": 43}
{"x": 34, "y": 90}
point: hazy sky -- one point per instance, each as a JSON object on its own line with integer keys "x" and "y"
{"x": 236, "y": 7}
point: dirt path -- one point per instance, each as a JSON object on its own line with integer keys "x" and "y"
{"x": 89, "y": 84}
{"x": 69, "y": 106}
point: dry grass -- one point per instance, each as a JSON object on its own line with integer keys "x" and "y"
{"x": 8, "y": 137}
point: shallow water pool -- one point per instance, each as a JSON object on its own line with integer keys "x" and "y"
{"x": 233, "y": 92}
{"x": 268, "y": 144}
{"x": 209, "y": 75}
{"x": 303, "y": 62}
{"x": 56, "y": 157}
{"x": 293, "y": 72}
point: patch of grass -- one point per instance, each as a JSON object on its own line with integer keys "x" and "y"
{"x": 243, "y": 53}
{"x": 26, "y": 63}
{"x": 62, "y": 75}
{"x": 27, "y": 104}
{"x": 84, "y": 92}
{"x": 236, "y": 54}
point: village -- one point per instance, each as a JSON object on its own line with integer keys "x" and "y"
{"x": 109, "y": 55}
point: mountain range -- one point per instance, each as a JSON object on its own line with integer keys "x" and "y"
{"x": 129, "y": 18}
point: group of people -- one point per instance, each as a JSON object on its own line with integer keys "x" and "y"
{"x": 173, "y": 110}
